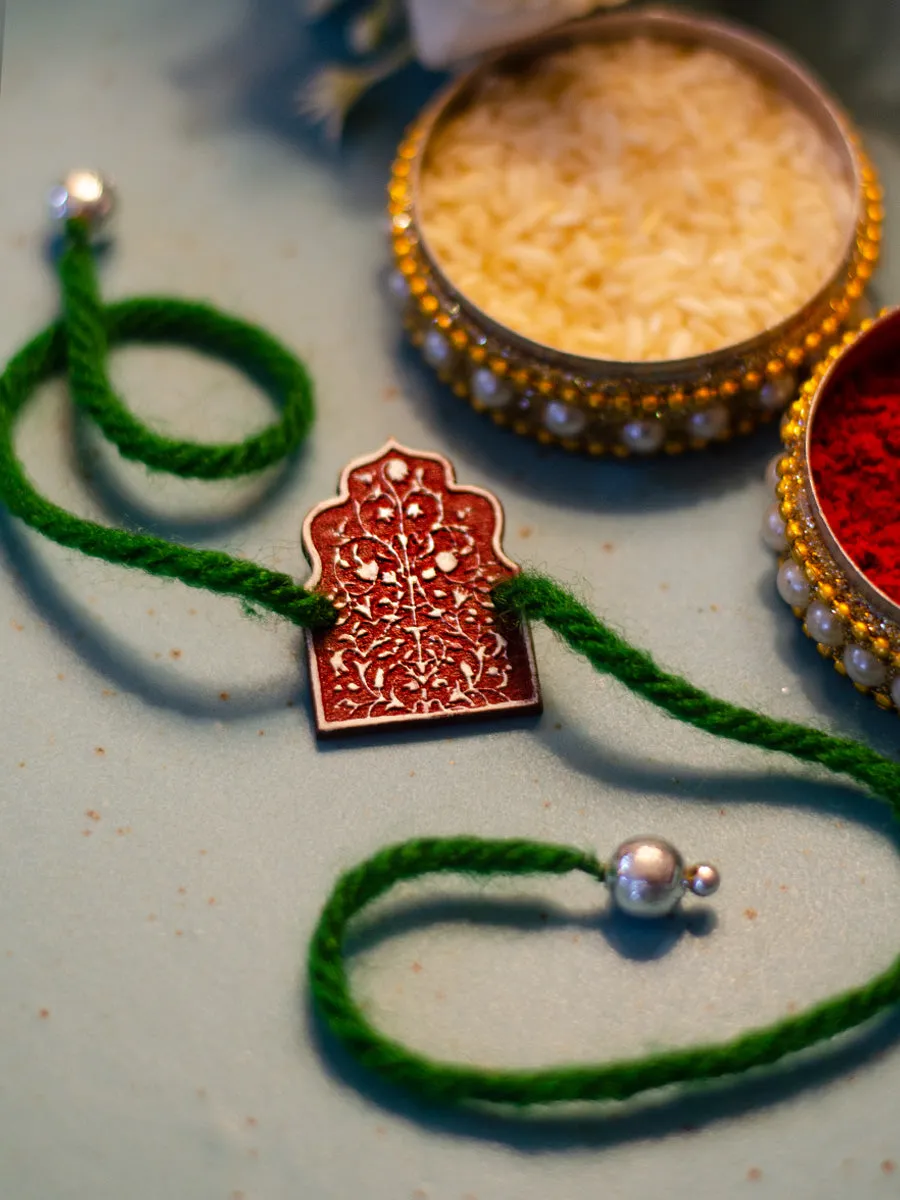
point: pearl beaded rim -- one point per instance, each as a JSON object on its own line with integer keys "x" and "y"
{"x": 847, "y": 627}
{"x": 600, "y": 407}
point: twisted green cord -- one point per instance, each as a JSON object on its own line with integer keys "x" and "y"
{"x": 536, "y": 598}
{"x": 78, "y": 345}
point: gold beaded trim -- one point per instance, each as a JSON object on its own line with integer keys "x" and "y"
{"x": 616, "y": 401}
{"x": 862, "y": 624}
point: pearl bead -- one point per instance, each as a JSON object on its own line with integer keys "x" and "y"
{"x": 563, "y": 419}
{"x": 863, "y": 667}
{"x": 895, "y": 691}
{"x": 85, "y": 196}
{"x": 773, "y": 529}
{"x": 489, "y": 390}
{"x": 824, "y": 625}
{"x": 398, "y": 287}
{"x": 792, "y": 585}
{"x": 772, "y": 475}
{"x": 777, "y": 392}
{"x": 643, "y": 437}
{"x": 436, "y": 350}
{"x": 708, "y": 422}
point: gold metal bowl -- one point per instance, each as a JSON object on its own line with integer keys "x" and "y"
{"x": 601, "y": 406}
{"x": 853, "y": 623}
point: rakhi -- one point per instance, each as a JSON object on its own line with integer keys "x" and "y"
{"x": 416, "y": 614}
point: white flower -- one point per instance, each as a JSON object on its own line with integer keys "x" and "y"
{"x": 446, "y": 31}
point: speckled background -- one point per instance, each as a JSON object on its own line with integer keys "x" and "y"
{"x": 169, "y": 826}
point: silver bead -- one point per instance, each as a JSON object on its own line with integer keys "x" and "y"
{"x": 489, "y": 389}
{"x": 703, "y": 879}
{"x": 777, "y": 392}
{"x": 647, "y": 877}
{"x": 643, "y": 437}
{"x": 563, "y": 419}
{"x": 85, "y": 196}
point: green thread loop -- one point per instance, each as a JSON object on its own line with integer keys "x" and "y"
{"x": 79, "y": 345}
{"x": 534, "y": 597}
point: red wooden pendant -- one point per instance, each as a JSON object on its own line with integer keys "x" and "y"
{"x": 409, "y": 558}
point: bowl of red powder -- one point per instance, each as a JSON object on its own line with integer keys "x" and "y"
{"x": 836, "y": 518}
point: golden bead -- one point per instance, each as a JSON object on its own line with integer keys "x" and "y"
{"x": 675, "y": 400}
{"x": 596, "y": 449}
{"x": 520, "y": 377}
{"x": 874, "y": 232}
{"x": 866, "y": 325}
{"x": 650, "y": 403}
{"x": 623, "y": 402}
{"x": 801, "y": 551}
{"x": 864, "y": 270}
{"x": 874, "y": 193}
{"x": 825, "y": 651}
{"x": 826, "y": 592}
{"x": 596, "y": 400}
{"x": 729, "y": 388}
{"x": 703, "y": 394}
{"x": 401, "y": 170}
{"x": 881, "y": 646}
{"x": 458, "y": 339}
{"x": 793, "y": 530}
{"x": 883, "y": 701}
{"x": 875, "y": 212}
{"x": 829, "y": 327}
{"x": 860, "y": 630}
{"x": 895, "y": 661}
{"x": 774, "y": 368}
{"x": 843, "y": 610}
{"x": 545, "y": 386}
{"x": 861, "y": 687}
{"x": 522, "y": 427}
{"x": 813, "y": 572}
{"x": 402, "y": 246}
{"x": 418, "y": 286}
{"x": 840, "y": 308}
{"x": 812, "y": 341}
{"x": 499, "y": 366}
{"x": 498, "y": 417}
{"x": 407, "y": 265}
{"x": 569, "y": 394}
{"x": 795, "y": 356}
{"x": 477, "y": 354}
{"x": 855, "y": 289}
{"x": 752, "y": 381}
{"x": 399, "y": 191}
{"x": 620, "y": 451}
{"x": 443, "y": 321}
{"x": 429, "y": 304}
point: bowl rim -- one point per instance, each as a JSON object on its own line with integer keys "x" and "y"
{"x": 756, "y": 50}
{"x": 881, "y": 332}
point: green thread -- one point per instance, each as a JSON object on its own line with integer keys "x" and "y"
{"x": 534, "y": 597}
{"x": 78, "y": 345}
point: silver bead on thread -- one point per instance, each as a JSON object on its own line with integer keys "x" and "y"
{"x": 83, "y": 195}
{"x": 647, "y": 877}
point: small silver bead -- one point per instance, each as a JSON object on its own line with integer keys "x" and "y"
{"x": 703, "y": 879}
{"x": 85, "y": 196}
{"x": 646, "y": 877}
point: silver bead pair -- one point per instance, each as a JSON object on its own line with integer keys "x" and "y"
{"x": 647, "y": 877}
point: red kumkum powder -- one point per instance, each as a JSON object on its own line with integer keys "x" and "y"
{"x": 855, "y": 465}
